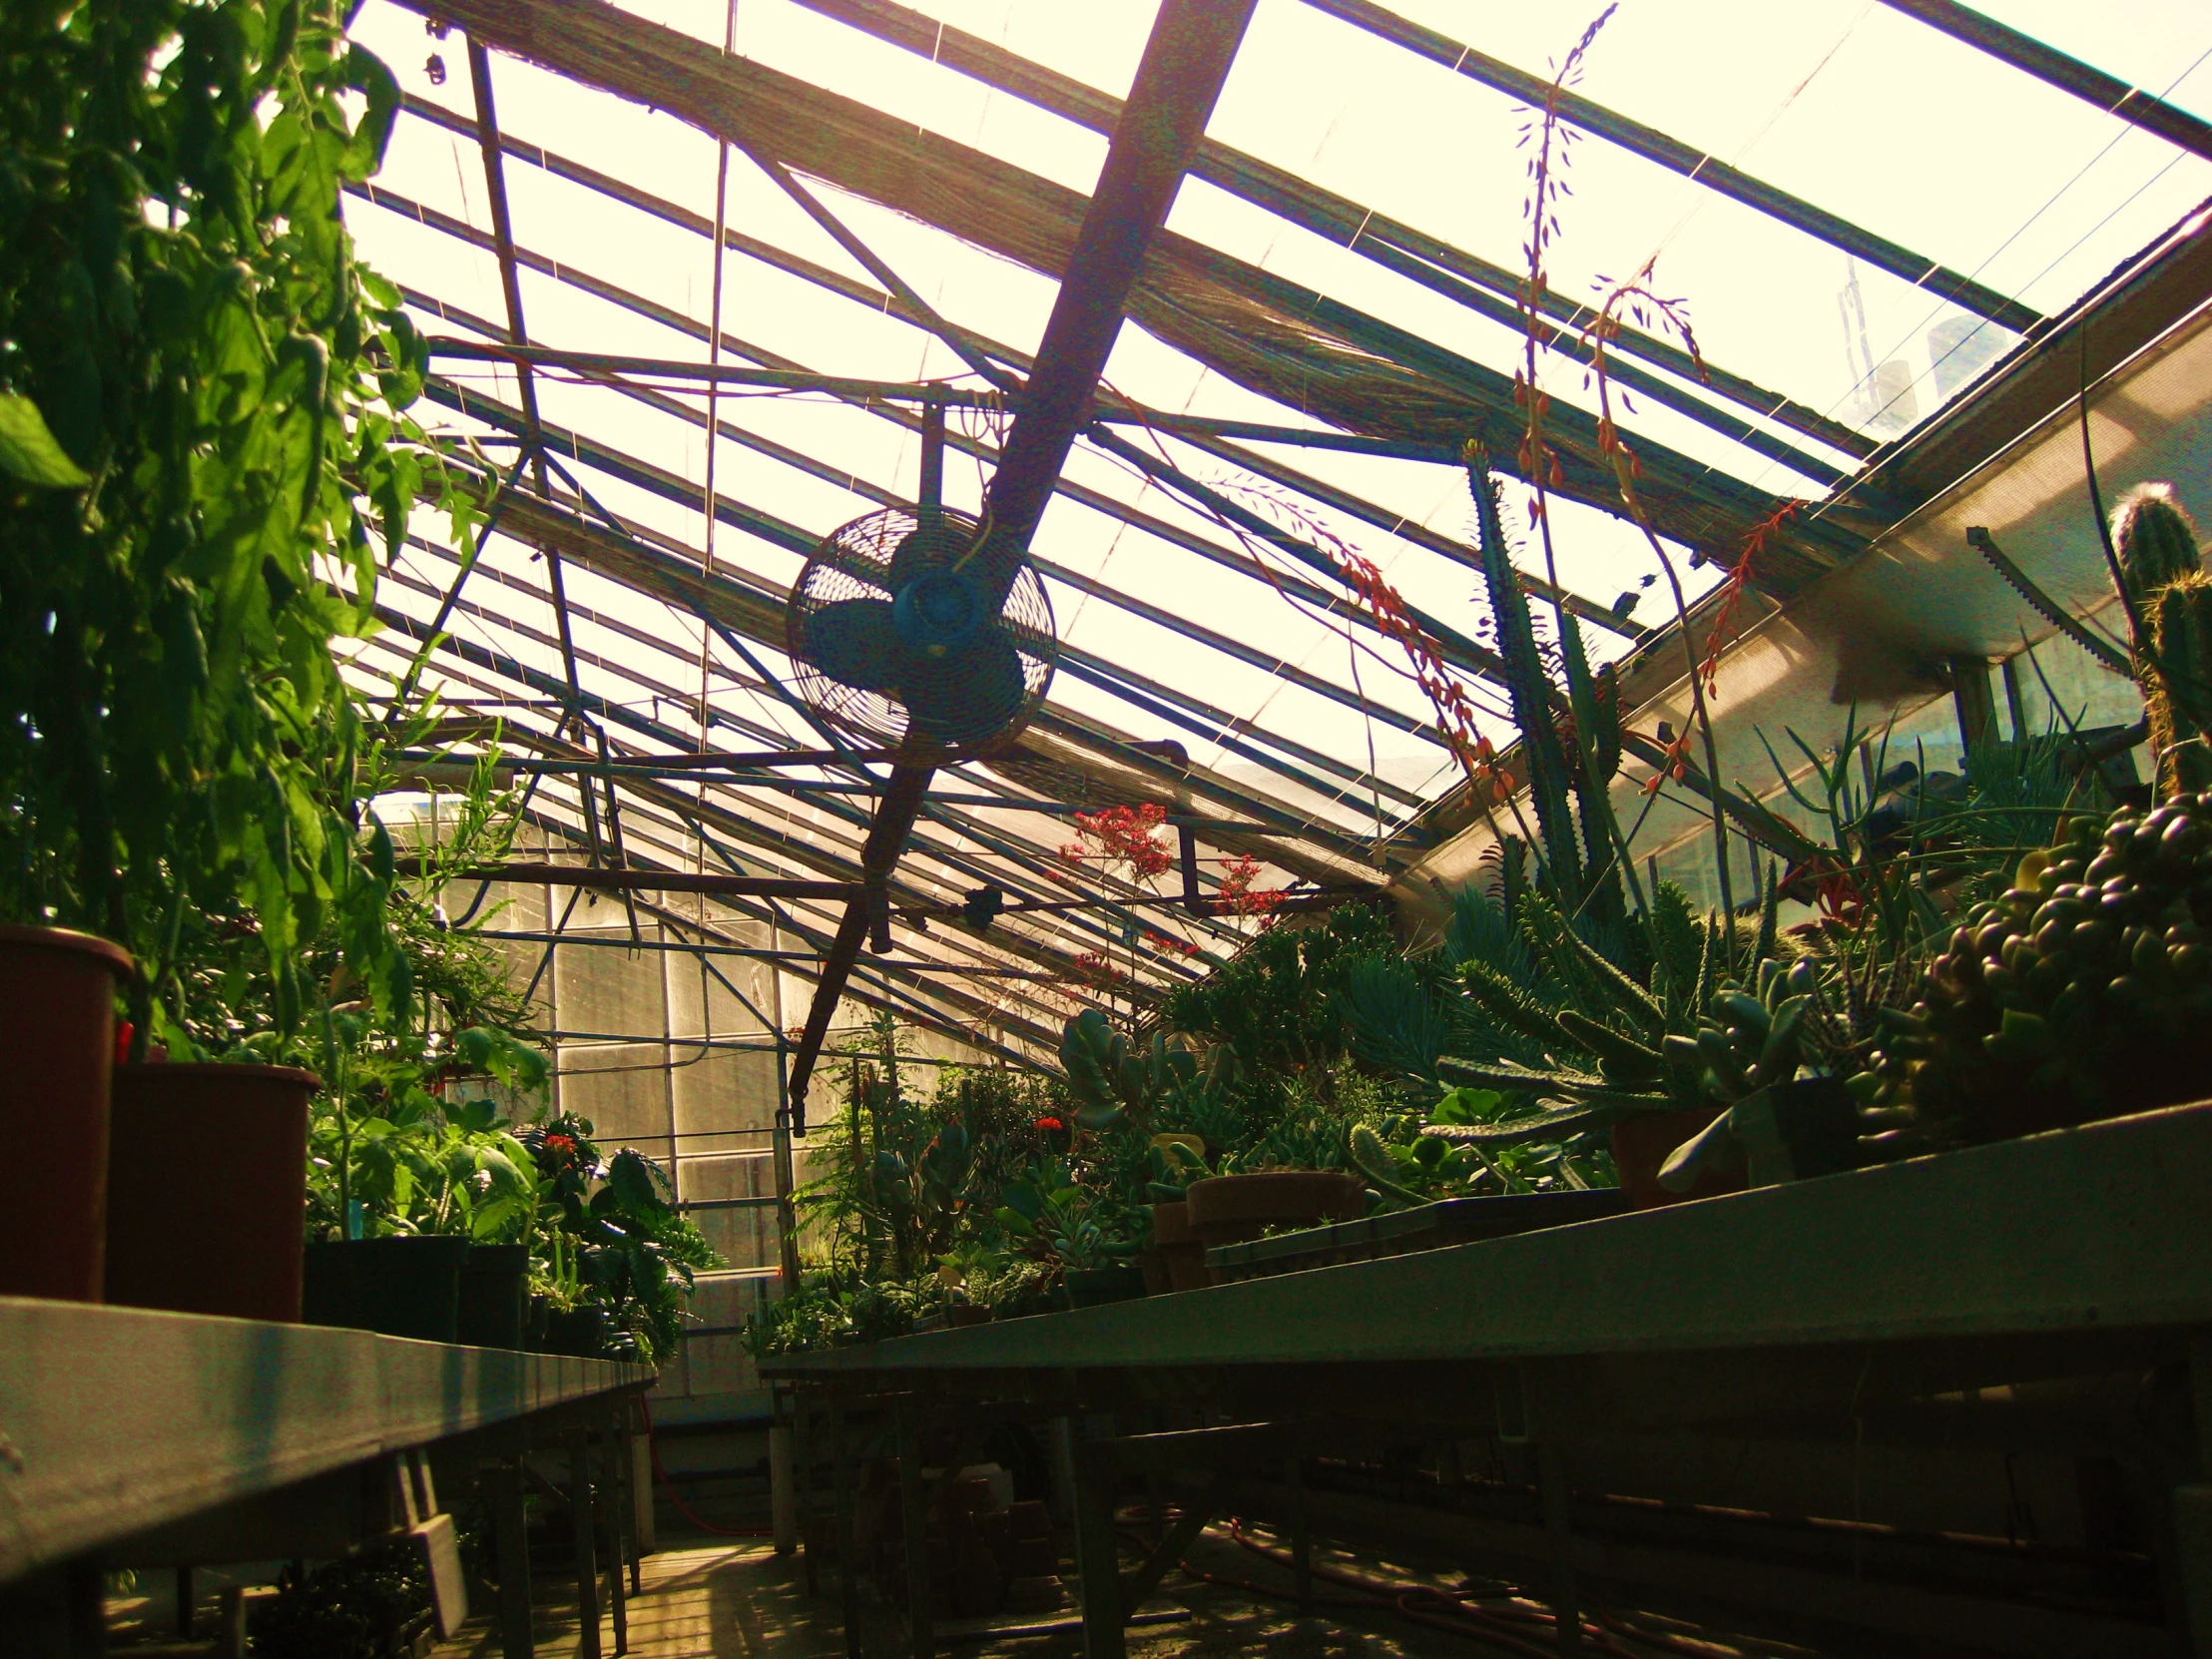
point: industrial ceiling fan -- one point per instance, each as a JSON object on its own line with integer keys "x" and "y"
{"x": 927, "y": 631}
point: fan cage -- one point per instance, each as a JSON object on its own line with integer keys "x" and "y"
{"x": 854, "y": 562}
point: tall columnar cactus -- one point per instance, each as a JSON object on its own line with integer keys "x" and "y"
{"x": 2178, "y": 693}
{"x": 2156, "y": 542}
{"x": 1528, "y": 687}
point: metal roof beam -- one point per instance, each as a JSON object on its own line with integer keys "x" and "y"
{"x": 877, "y": 300}
{"x": 1268, "y": 335}
{"x": 1473, "y": 282}
{"x": 1693, "y": 164}
{"x": 2054, "y": 68}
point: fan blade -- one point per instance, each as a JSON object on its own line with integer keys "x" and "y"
{"x": 853, "y": 642}
{"x": 968, "y": 696}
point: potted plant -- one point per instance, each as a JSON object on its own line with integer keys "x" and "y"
{"x": 1078, "y": 1229}
{"x": 183, "y": 1132}
{"x": 1175, "y": 1161}
{"x": 57, "y": 1014}
{"x": 198, "y": 391}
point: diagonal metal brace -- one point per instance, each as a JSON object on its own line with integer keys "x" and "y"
{"x": 1143, "y": 1580}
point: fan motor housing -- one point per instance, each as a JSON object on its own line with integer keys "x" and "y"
{"x": 905, "y": 634}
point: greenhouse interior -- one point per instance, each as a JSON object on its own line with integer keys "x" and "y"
{"x": 1198, "y": 829}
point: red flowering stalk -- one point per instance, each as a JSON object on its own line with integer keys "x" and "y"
{"x": 1385, "y": 607}
{"x": 1240, "y": 895}
{"x": 1126, "y": 836}
{"x": 1732, "y": 591}
{"x": 1636, "y": 295}
{"x": 1167, "y": 943}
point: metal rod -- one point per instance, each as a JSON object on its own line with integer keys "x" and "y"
{"x": 510, "y": 282}
{"x": 712, "y": 373}
{"x": 587, "y": 1557}
{"x": 652, "y": 880}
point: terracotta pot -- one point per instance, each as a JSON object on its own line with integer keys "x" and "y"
{"x": 56, "y": 1047}
{"x": 964, "y": 1313}
{"x": 1186, "y": 1269}
{"x": 1153, "y": 1264}
{"x": 1171, "y": 1224}
{"x": 1641, "y": 1142}
{"x": 208, "y": 1189}
{"x": 1235, "y": 1208}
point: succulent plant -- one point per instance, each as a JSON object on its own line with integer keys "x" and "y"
{"x": 2155, "y": 541}
{"x": 2082, "y": 993}
{"x": 2177, "y": 693}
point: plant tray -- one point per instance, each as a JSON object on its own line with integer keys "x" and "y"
{"x": 1450, "y": 1221}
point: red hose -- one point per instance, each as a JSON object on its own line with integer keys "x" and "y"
{"x": 682, "y": 1508}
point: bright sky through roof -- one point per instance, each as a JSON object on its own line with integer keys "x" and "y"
{"x": 1843, "y": 102}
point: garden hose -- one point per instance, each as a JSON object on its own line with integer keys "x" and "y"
{"x": 682, "y": 1508}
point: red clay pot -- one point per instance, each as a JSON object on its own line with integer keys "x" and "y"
{"x": 208, "y": 1189}
{"x": 1641, "y": 1142}
{"x": 56, "y": 1047}
{"x": 1234, "y": 1209}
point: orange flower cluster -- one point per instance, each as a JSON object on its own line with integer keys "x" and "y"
{"x": 1732, "y": 591}
{"x": 1124, "y": 835}
{"x": 1092, "y": 968}
{"x": 1236, "y": 891}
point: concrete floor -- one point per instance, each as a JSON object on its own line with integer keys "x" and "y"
{"x": 737, "y": 1599}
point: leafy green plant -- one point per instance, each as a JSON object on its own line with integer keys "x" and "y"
{"x": 1067, "y": 1222}
{"x": 612, "y": 1234}
{"x": 202, "y": 421}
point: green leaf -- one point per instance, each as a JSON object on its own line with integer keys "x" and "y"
{"x": 28, "y": 451}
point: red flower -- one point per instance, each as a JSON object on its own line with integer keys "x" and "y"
{"x": 563, "y": 1146}
{"x": 1051, "y": 1126}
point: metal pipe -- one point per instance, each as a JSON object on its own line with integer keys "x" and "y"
{"x": 651, "y": 881}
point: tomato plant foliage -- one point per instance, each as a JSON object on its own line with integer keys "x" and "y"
{"x": 203, "y": 446}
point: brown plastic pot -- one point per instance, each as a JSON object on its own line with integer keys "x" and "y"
{"x": 208, "y": 1189}
{"x": 1235, "y": 1208}
{"x": 56, "y": 1047}
{"x": 1186, "y": 1269}
{"x": 1641, "y": 1142}
{"x": 1171, "y": 1224}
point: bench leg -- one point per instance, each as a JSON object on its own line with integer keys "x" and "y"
{"x": 510, "y": 1537}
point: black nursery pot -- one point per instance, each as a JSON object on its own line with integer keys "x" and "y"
{"x": 495, "y": 1295}
{"x": 407, "y": 1286}
{"x": 580, "y": 1331}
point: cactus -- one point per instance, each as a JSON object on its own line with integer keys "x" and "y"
{"x": 2081, "y": 992}
{"x": 1528, "y": 687}
{"x": 2156, "y": 542}
{"x": 2177, "y": 691}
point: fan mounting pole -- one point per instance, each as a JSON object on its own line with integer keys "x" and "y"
{"x": 1186, "y": 61}
{"x": 931, "y": 498}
